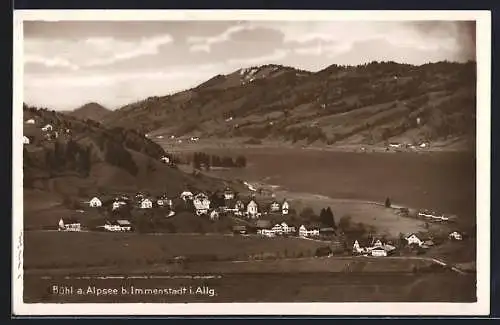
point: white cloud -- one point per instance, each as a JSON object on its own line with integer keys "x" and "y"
{"x": 91, "y": 52}
{"x": 277, "y": 55}
{"x": 201, "y": 43}
{"x": 113, "y": 89}
{"x": 53, "y": 62}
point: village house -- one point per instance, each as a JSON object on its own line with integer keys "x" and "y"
{"x": 118, "y": 225}
{"x": 277, "y": 229}
{"x": 228, "y": 194}
{"x": 160, "y": 202}
{"x": 164, "y": 201}
{"x": 201, "y": 203}
{"x": 26, "y": 140}
{"x": 252, "y": 210}
{"x": 394, "y": 145}
{"x": 30, "y": 121}
{"x": 284, "y": 207}
{"x": 214, "y": 215}
{"x": 239, "y": 207}
{"x": 146, "y": 204}
{"x": 48, "y": 128}
{"x": 311, "y": 232}
{"x": 95, "y": 202}
{"x": 413, "y": 239}
{"x": 117, "y": 204}
{"x": 186, "y": 196}
{"x": 69, "y": 224}
{"x": 266, "y": 232}
{"x": 357, "y": 249}
{"x": 275, "y": 207}
{"x": 378, "y": 251}
{"x": 165, "y": 160}
{"x": 455, "y": 235}
{"x": 287, "y": 229}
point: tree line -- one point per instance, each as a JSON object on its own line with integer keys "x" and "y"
{"x": 202, "y": 159}
{"x": 69, "y": 155}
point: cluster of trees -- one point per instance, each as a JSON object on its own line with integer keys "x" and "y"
{"x": 136, "y": 141}
{"x": 117, "y": 155}
{"x": 327, "y": 218}
{"x": 69, "y": 155}
{"x": 202, "y": 159}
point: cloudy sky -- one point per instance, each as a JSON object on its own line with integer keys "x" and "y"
{"x": 69, "y": 63}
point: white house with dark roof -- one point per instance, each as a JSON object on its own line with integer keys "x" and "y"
{"x": 26, "y": 140}
{"x": 413, "y": 239}
{"x": 186, "y": 195}
{"x": 117, "y": 204}
{"x": 266, "y": 232}
{"x": 214, "y": 215}
{"x": 228, "y": 194}
{"x": 201, "y": 203}
{"x": 308, "y": 232}
{"x": 146, "y": 204}
{"x": 118, "y": 225}
{"x": 252, "y": 210}
{"x": 285, "y": 207}
{"x": 378, "y": 251}
{"x": 275, "y": 207}
{"x": 48, "y": 127}
{"x": 69, "y": 224}
{"x": 95, "y": 202}
{"x": 455, "y": 235}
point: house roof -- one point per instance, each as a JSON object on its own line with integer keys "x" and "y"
{"x": 69, "y": 220}
{"x": 123, "y": 222}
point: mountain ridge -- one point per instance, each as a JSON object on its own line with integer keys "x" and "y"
{"x": 371, "y": 103}
{"x": 91, "y": 110}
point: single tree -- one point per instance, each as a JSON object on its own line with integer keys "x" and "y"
{"x": 387, "y": 202}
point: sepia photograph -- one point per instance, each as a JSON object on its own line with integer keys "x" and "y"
{"x": 241, "y": 162}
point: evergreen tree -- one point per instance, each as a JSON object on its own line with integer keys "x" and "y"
{"x": 331, "y": 218}
{"x": 387, "y": 202}
{"x": 241, "y": 161}
{"x": 323, "y": 217}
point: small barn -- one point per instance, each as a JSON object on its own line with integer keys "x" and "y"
{"x": 69, "y": 224}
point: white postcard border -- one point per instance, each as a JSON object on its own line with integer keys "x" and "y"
{"x": 483, "y": 51}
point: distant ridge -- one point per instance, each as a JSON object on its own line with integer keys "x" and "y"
{"x": 369, "y": 104}
{"x": 93, "y": 111}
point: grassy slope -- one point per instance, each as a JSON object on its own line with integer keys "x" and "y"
{"x": 364, "y": 104}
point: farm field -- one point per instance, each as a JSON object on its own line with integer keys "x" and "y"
{"x": 444, "y": 181}
{"x": 46, "y": 250}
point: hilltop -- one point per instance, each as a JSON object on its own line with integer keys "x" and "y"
{"x": 92, "y": 111}
{"x": 369, "y": 104}
{"x": 80, "y": 158}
